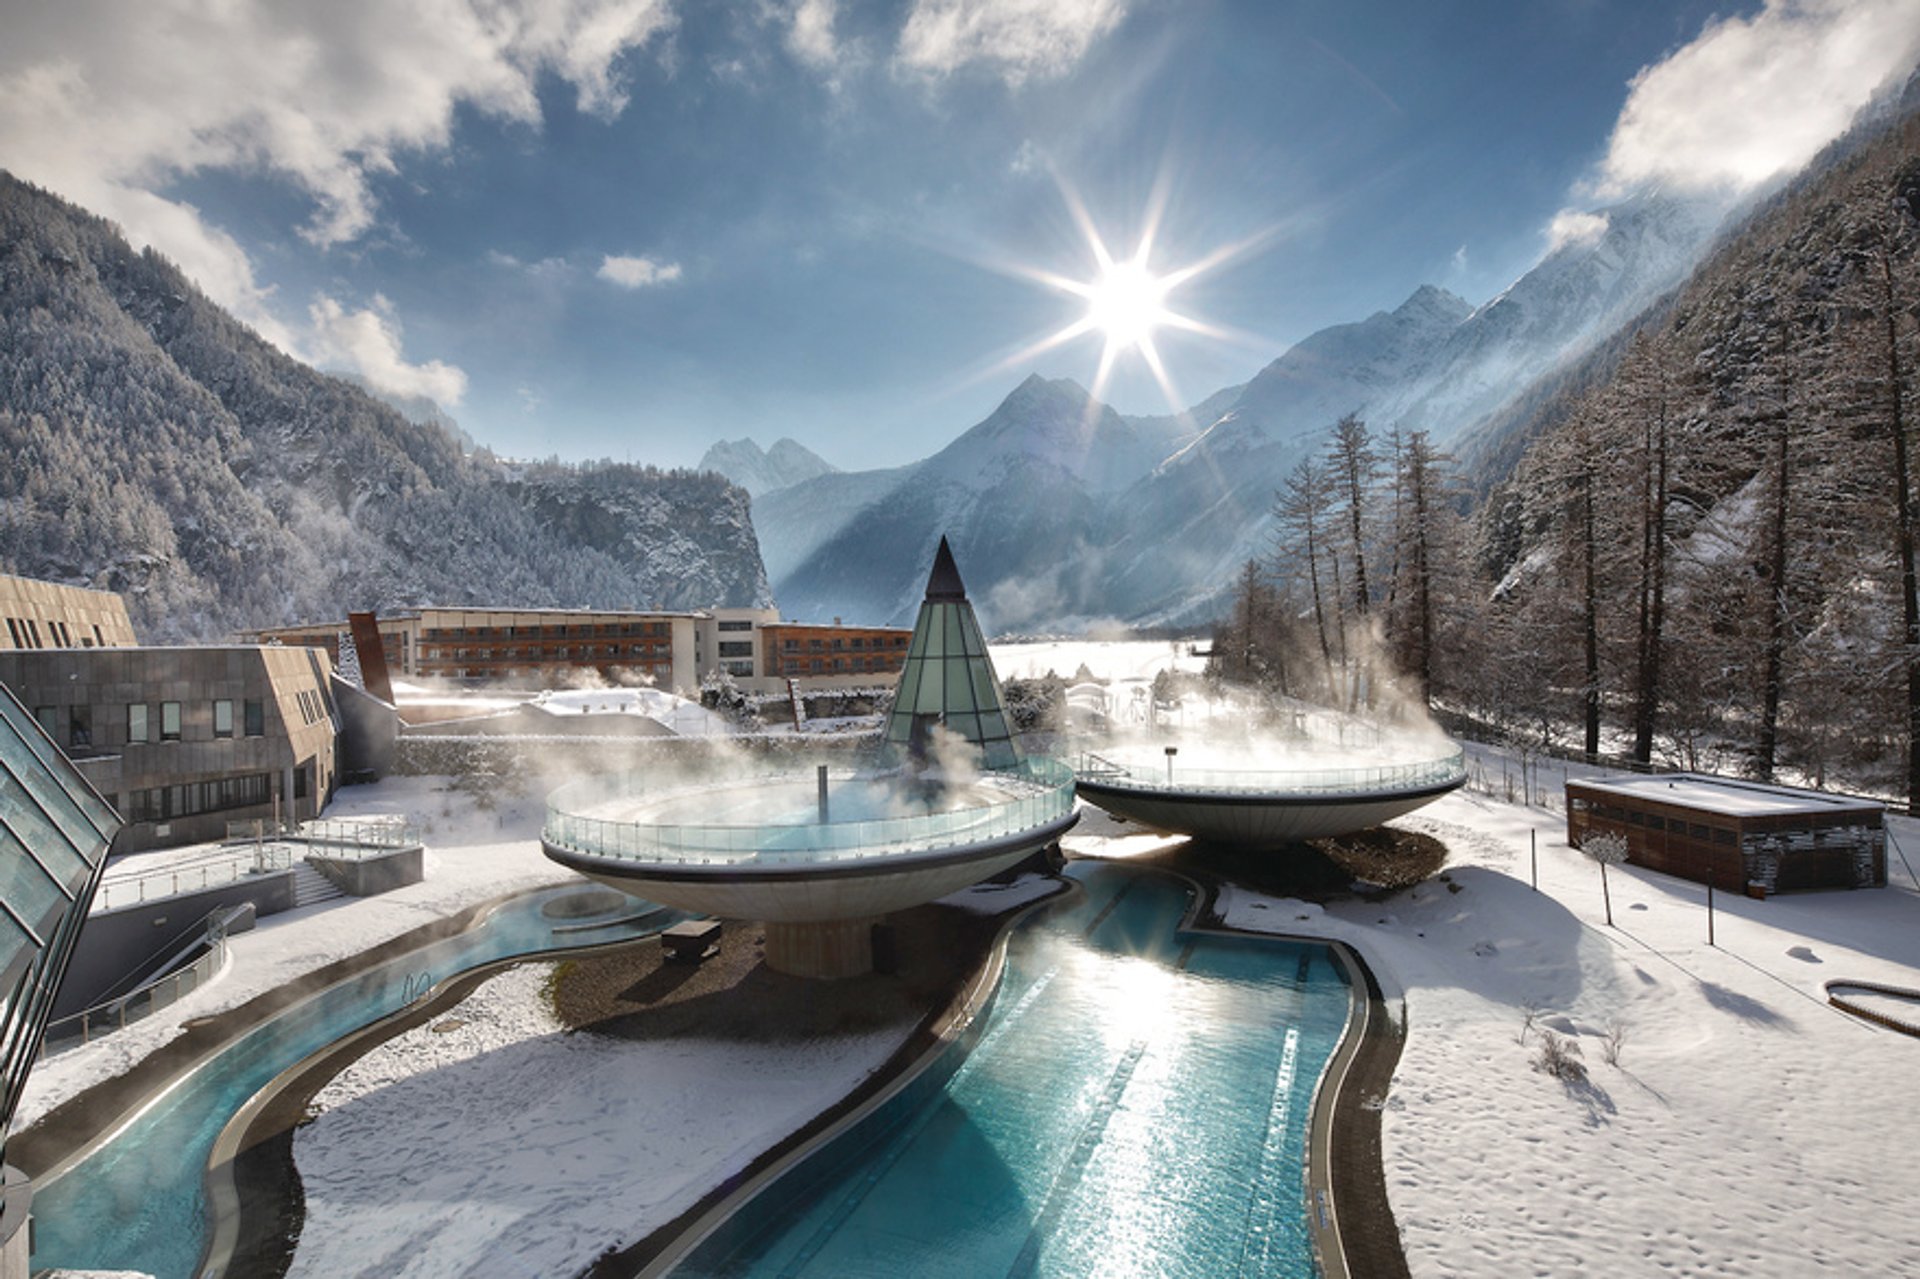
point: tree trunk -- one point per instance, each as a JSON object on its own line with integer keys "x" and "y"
{"x": 1903, "y": 520}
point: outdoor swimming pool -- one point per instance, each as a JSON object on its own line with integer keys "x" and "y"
{"x": 1137, "y": 1103}
{"x": 139, "y": 1201}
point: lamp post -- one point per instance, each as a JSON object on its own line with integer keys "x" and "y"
{"x": 1171, "y": 752}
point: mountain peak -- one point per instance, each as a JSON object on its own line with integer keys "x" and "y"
{"x": 1431, "y": 300}
{"x": 1036, "y": 387}
{"x": 763, "y": 471}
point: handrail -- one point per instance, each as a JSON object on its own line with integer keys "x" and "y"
{"x": 1306, "y": 781}
{"x": 1035, "y": 793}
{"x": 260, "y": 859}
{"x": 143, "y": 1001}
{"x": 366, "y": 832}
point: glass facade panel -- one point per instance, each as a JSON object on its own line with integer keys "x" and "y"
{"x": 31, "y": 893}
{"x": 54, "y": 834}
{"x": 137, "y": 722}
{"x": 223, "y": 718}
{"x": 169, "y": 721}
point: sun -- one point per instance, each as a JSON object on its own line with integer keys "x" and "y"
{"x": 1127, "y": 303}
{"x": 1127, "y": 299}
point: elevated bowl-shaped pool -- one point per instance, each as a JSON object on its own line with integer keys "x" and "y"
{"x": 1260, "y": 806}
{"x": 770, "y": 848}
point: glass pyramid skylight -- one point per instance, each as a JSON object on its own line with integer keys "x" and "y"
{"x": 54, "y": 834}
{"x": 948, "y": 678}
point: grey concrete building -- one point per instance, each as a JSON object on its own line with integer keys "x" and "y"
{"x": 183, "y": 740}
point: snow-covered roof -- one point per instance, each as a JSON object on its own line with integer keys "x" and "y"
{"x": 684, "y": 717}
{"x": 1725, "y": 795}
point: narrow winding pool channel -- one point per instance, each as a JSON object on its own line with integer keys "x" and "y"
{"x": 1137, "y": 1103}
{"x": 139, "y": 1201}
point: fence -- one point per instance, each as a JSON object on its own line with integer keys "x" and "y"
{"x": 1039, "y": 792}
{"x": 114, "y": 1014}
{"x": 261, "y": 859}
{"x": 1285, "y": 781}
{"x": 373, "y": 834}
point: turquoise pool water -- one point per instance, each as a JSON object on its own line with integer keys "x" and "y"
{"x": 139, "y": 1202}
{"x": 1136, "y": 1103}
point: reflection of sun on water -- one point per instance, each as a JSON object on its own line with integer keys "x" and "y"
{"x": 1136, "y": 999}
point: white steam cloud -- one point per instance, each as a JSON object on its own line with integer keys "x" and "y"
{"x": 1754, "y": 98}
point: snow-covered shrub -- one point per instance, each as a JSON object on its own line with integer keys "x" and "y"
{"x": 1559, "y": 1056}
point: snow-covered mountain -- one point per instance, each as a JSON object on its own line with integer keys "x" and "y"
{"x": 785, "y": 464}
{"x": 1026, "y": 493}
{"x": 1600, "y": 277}
{"x": 1065, "y": 511}
{"x": 221, "y": 485}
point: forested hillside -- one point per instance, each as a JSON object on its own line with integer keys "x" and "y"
{"x": 156, "y": 447}
{"x": 1705, "y": 549}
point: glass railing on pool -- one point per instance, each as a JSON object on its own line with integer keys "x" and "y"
{"x": 1002, "y": 803}
{"x": 1158, "y": 776}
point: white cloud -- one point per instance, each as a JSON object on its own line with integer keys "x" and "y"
{"x": 107, "y": 102}
{"x": 811, "y": 37}
{"x": 1573, "y": 226}
{"x": 1754, "y": 98}
{"x": 637, "y": 273}
{"x": 367, "y": 342}
{"x": 1027, "y": 158}
{"x": 1016, "y": 38}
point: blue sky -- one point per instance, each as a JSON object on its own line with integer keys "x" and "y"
{"x": 629, "y": 228}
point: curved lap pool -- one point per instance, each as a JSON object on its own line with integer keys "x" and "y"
{"x": 1137, "y": 1102}
{"x": 138, "y": 1202}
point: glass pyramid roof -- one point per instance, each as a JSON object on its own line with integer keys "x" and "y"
{"x": 948, "y": 678}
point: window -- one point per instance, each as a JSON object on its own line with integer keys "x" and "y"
{"x": 13, "y": 629}
{"x": 736, "y": 648}
{"x": 80, "y": 727}
{"x": 255, "y": 713}
{"x": 33, "y": 633}
{"x": 99, "y": 640}
{"x": 735, "y": 626}
{"x": 169, "y": 721}
{"x": 223, "y": 717}
{"x": 137, "y": 723}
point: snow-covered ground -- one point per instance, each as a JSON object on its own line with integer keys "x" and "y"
{"x": 490, "y": 1142}
{"x": 1746, "y": 1129}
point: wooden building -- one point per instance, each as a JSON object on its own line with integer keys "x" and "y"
{"x": 1737, "y": 835}
{"x": 794, "y": 649}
